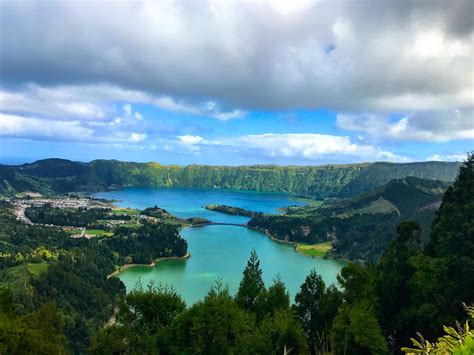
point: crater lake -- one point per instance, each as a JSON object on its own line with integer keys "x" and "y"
{"x": 219, "y": 252}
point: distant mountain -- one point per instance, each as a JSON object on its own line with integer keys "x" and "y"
{"x": 60, "y": 176}
{"x": 361, "y": 226}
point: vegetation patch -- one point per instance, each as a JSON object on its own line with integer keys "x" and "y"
{"x": 318, "y": 250}
{"x": 99, "y": 232}
{"x": 127, "y": 211}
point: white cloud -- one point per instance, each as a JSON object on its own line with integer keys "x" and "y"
{"x": 32, "y": 128}
{"x": 433, "y": 126}
{"x": 137, "y": 137}
{"x": 448, "y": 157}
{"x": 96, "y": 102}
{"x": 249, "y": 54}
{"x": 191, "y": 139}
{"x": 209, "y": 109}
{"x": 307, "y": 146}
{"x": 39, "y": 129}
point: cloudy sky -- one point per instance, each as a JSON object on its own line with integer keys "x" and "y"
{"x": 233, "y": 82}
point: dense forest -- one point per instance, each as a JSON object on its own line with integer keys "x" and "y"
{"x": 48, "y": 214}
{"x": 63, "y": 176}
{"x": 55, "y": 296}
{"x": 360, "y": 227}
{"x": 235, "y": 211}
{"x": 54, "y": 291}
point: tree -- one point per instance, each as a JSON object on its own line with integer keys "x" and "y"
{"x": 215, "y": 325}
{"x": 271, "y": 300}
{"x": 251, "y": 284}
{"x": 393, "y": 288}
{"x": 316, "y": 306}
{"x": 281, "y": 331}
{"x": 356, "y": 327}
{"x": 444, "y": 275}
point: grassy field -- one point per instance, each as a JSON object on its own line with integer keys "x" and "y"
{"x": 17, "y": 277}
{"x": 99, "y": 232}
{"x": 318, "y": 250}
{"x": 127, "y": 211}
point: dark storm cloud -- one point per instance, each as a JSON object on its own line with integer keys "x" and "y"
{"x": 399, "y": 55}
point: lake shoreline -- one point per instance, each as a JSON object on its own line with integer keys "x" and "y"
{"x": 152, "y": 264}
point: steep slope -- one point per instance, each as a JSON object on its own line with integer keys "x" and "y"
{"x": 360, "y": 226}
{"x": 378, "y": 174}
{"x": 61, "y": 176}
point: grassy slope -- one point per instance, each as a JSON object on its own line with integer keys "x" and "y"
{"x": 17, "y": 278}
{"x": 318, "y": 250}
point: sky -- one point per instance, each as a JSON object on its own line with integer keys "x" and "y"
{"x": 237, "y": 82}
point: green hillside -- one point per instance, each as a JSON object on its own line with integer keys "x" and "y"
{"x": 61, "y": 176}
{"x": 361, "y": 226}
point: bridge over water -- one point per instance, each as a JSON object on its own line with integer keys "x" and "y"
{"x": 220, "y": 224}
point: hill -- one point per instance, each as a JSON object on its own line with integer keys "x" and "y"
{"x": 362, "y": 226}
{"x": 62, "y": 176}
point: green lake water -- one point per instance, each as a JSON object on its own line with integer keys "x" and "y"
{"x": 219, "y": 251}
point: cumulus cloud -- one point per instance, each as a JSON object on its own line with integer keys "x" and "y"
{"x": 41, "y": 129}
{"x": 342, "y": 55}
{"x": 305, "y": 146}
{"x": 96, "y": 102}
{"x": 223, "y": 59}
{"x": 430, "y": 126}
{"x": 209, "y": 109}
{"x": 447, "y": 157}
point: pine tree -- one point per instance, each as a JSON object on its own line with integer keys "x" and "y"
{"x": 444, "y": 277}
{"x": 309, "y": 298}
{"x": 251, "y": 284}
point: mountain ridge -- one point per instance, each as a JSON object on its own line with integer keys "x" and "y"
{"x": 56, "y": 175}
{"x": 361, "y": 226}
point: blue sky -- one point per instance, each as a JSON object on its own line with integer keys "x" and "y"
{"x": 211, "y": 82}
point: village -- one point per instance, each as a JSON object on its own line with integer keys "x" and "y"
{"x": 119, "y": 216}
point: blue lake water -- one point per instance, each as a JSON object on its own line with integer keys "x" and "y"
{"x": 220, "y": 252}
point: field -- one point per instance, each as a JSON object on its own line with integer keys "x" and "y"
{"x": 98, "y": 232}
{"x": 127, "y": 211}
{"x": 316, "y": 250}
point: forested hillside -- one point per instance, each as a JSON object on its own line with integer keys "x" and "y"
{"x": 61, "y": 176}
{"x": 54, "y": 291}
{"x": 360, "y": 227}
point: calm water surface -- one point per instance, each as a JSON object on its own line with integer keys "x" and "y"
{"x": 219, "y": 251}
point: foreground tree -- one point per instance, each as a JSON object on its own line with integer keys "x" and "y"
{"x": 393, "y": 287}
{"x": 143, "y": 322}
{"x": 251, "y": 285}
{"x": 215, "y": 325}
{"x": 356, "y": 327}
{"x": 316, "y": 306}
{"x": 444, "y": 275}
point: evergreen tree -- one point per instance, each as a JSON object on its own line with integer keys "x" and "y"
{"x": 279, "y": 333}
{"x": 315, "y": 307}
{"x": 444, "y": 276}
{"x": 356, "y": 327}
{"x": 251, "y": 284}
{"x": 393, "y": 287}
{"x": 215, "y": 325}
{"x": 269, "y": 302}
